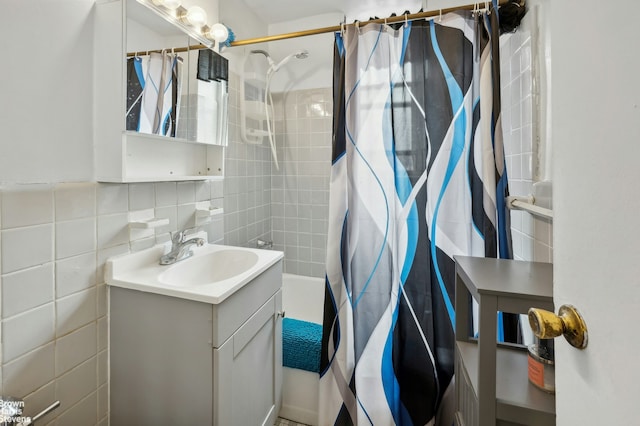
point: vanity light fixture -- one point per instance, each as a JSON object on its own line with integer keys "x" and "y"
{"x": 169, "y": 4}
{"x": 194, "y": 16}
{"x": 217, "y": 32}
{"x": 192, "y": 20}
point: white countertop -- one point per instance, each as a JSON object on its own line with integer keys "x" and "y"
{"x": 141, "y": 271}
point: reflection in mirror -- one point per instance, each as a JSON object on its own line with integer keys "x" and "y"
{"x": 154, "y": 88}
{"x": 206, "y": 98}
{"x": 172, "y": 90}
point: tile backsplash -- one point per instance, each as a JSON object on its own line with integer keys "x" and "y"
{"x": 54, "y": 241}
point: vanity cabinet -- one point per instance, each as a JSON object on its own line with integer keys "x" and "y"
{"x": 176, "y": 361}
{"x": 121, "y": 155}
{"x": 492, "y": 385}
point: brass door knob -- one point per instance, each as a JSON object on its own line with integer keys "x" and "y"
{"x": 568, "y": 322}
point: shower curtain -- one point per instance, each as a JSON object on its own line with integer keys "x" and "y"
{"x": 418, "y": 176}
{"x": 153, "y": 93}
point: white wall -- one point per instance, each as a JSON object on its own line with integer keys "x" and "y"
{"x": 363, "y": 10}
{"x": 47, "y": 89}
{"x": 46, "y": 86}
{"x": 245, "y": 24}
{"x": 314, "y": 72}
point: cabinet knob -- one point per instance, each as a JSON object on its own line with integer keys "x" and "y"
{"x": 568, "y": 322}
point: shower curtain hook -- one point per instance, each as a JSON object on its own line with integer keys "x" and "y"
{"x": 406, "y": 19}
{"x": 440, "y": 17}
{"x": 357, "y": 24}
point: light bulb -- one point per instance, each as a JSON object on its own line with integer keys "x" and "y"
{"x": 195, "y": 16}
{"x": 169, "y": 4}
{"x": 217, "y": 32}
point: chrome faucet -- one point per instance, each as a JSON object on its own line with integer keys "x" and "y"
{"x": 180, "y": 249}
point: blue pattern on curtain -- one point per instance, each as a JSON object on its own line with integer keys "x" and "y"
{"x": 417, "y": 177}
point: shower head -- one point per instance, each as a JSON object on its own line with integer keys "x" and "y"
{"x": 302, "y": 54}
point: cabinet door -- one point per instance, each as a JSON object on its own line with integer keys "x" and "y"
{"x": 160, "y": 359}
{"x": 248, "y": 370}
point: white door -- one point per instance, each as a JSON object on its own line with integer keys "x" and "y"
{"x": 596, "y": 172}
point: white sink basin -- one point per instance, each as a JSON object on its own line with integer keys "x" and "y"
{"x": 211, "y": 275}
{"x": 209, "y": 268}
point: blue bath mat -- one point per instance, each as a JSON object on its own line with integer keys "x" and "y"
{"x": 301, "y": 341}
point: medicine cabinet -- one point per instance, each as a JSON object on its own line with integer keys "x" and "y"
{"x": 179, "y": 134}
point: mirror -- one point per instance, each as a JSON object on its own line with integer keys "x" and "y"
{"x": 174, "y": 88}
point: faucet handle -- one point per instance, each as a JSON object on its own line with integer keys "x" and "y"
{"x": 177, "y": 237}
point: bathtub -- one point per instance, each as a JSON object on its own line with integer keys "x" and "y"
{"x": 303, "y": 299}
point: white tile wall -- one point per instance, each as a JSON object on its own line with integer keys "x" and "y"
{"x": 54, "y": 241}
{"x": 166, "y": 194}
{"x": 186, "y": 215}
{"x": 103, "y": 401}
{"x": 167, "y": 212}
{"x": 103, "y": 333}
{"x": 300, "y": 189}
{"x": 102, "y": 367}
{"x": 84, "y": 412}
{"x": 186, "y": 192}
{"x": 531, "y": 235}
{"x": 41, "y": 399}
{"x": 75, "y": 348}
{"x": 247, "y": 185}
{"x": 113, "y": 230}
{"x": 75, "y": 311}
{"x": 141, "y": 196}
{"x": 26, "y": 247}
{"x": 75, "y": 201}
{"x": 74, "y": 237}
{"x": 27, "y": 289}
{"x": 26, "y": 205}
{"x": 77, "y": 383}
{"x": 75, "y": 273}
{"x": 112, "y": 198}
{"x": 287, "y": 206}
{"x": 27, "y": 331}
{"x": 29, "y": 372}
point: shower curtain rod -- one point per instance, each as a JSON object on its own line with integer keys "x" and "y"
{"x": 335, "y": 28}
{"x": 174, "y": 50}
{"x": 389, "y": 20}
